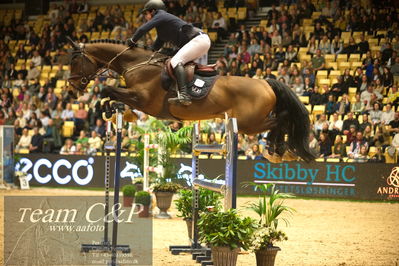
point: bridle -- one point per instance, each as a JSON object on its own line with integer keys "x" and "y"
{"x": 85, "y": 79}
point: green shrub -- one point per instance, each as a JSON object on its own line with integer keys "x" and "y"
{"x": 143, "y": 197}
{"x": 129, "y": 190}
{"x": 207, "y": 198}
{"x": 220, "y": 229}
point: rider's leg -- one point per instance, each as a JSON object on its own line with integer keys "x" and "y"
{"x": 194, "y": 49}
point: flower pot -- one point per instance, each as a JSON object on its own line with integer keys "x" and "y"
{"x": 224, "y": 256}
{"x": 127, "y": 201}
{"x": 266, "y": 256}
{"x": 189, "y": 223}
{"x": 164, "y": 200}
{"x": 145, "y": 212}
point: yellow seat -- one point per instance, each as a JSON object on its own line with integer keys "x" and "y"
{"x": 329, "y": 57}
{"x": 318, "y": 109}
{"x": 332, "y": 65}
{"x": 344, "y": 65}
{"x": 354, "y": 58}
{"x": 342, "y": 58}
{"x": 304, "y": 99}
{"x": 324, "y": 82}
{"x": 334, "y": 74}
{"x": 60, "y": 83}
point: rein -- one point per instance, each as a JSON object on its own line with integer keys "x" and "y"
{"x": 84, "y": 80}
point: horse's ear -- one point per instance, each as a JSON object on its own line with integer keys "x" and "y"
{"x": 74, "y": 44}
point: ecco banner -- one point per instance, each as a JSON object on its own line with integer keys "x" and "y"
{"x": 364, "y": 181}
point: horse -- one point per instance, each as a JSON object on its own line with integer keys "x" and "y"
{"x": 258, "y": 105}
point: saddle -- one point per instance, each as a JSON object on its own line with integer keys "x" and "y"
{"x": 200, "y": 78}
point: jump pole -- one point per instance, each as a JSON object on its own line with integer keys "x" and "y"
{"x": 203, "y": 254}
{"x": 105, "y": 244}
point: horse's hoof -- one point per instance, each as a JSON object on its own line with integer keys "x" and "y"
{"x": 290, "y": 156}
{"x": 274, "y": 158}
{"x": 129, "y": 116}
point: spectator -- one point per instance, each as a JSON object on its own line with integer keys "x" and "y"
{"x": 36, "y": 141}
{"x": 331, "y": 106}
{"x": 254, "y": 48}
{"x": 388, "y": 115}
{"x": 269, "y": 74}
{"x": 336, "y": 46}
{"x": 320, "y": 124}
{"x": 298, "y": 87}
{"x": 316, "y": 98}
{"x": 276, "y": 39}
{"x": 394, "y": 125}
{"x": 258, "y": 74}
{"x": 314, "y": 145}
{"x": 339, "y": 148}
{"x": 67, "y": 114}
{"x": 99, "y": 127}
{"x": 375, "y": 114}
{"x": 25, "y": 140}
{"x": 362, "y": 156}
{"x": 324, "y": 45}
{"x": 312, "y": 46}
{"x": 395, "y": 71}
{"x": 393, "y": 96}
{"x": 352, "y": 47}
{"x": 68, "y": 147}
{"x": 325, "y": 145}
{"x": 347, "y": 78}
{"x": 365, "y": 123}
{"x": 343, "y": 106}
{"x": 80, "y": 116}
{"x": 279, "y": 55}
{"x": 94, "y": 143}
{"x": 363, "y": 45}
{"x": 254, "y": 153}
{"x": 291, "y": 54}
{"x": 356, "y": 145}
{"x": 348, "y": 122}
{"x": 387, "y": 77}
{"x": 318, "y": 61}
{"x": 36, "y": 59}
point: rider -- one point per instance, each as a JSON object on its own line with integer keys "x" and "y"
{"x": 192, "y": 42}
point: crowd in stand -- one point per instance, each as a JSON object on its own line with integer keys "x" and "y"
{"x": 360, "y": 121}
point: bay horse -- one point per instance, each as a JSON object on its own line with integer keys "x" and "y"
{"x": 258, "y": 105}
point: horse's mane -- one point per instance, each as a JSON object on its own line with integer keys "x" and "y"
{"x": 120, "y": 42}
{"x": 108, "y": 41}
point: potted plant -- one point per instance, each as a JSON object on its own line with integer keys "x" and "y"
{"x": 128, "y": 195}
{"x": 270, "y": 210}
{"x": 143, "y": 198}
{"x": 226, "y": 232}
{"x": 164, "y": 194}
{"x": 184, "y": 204}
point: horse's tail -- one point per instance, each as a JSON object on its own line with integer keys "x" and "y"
{"x": 292, "y": 119}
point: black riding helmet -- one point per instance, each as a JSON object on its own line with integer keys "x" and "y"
{"x": 153, "y": 5}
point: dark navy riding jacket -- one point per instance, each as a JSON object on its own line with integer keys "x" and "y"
{"x": 169, "y": 29}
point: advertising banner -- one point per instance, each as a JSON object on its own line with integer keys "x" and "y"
{"x": 51, "y": 230}
{"x": 362, "y": 181}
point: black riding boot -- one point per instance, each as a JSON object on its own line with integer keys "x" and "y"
{"x": 183, "y": 98}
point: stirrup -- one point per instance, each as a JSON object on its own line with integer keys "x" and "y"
{"x": 180, "y": 100}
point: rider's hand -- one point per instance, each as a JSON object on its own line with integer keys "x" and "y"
{"x": 130, "y": 42}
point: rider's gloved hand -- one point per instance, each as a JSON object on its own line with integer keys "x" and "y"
{"x": 130, "y": 42}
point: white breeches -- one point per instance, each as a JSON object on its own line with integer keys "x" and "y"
{"x": 193, "y": 50}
